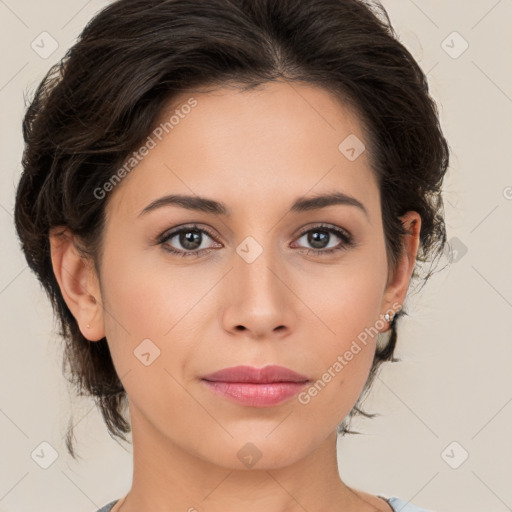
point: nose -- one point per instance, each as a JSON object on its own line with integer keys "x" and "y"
{"x": 258, "y": 300}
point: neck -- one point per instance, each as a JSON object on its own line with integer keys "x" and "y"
{"x": 169, "y": 477}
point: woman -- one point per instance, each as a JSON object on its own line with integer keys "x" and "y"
{"x": 226, "y": 202}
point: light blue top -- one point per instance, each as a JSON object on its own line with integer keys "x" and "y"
{"x": 397, "y": 504}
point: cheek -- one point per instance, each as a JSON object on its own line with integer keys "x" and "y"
{"x": 153, "y": 311}
{"x": 345, "y": 299}
{"x": 146, "y": 298}
{"x": 146, "y": 311}
{"x": 346, "y": 303}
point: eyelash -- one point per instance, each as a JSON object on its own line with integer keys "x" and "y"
{"x": 347, "y": 240}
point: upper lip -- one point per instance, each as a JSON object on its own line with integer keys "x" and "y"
{"x": 250, "y": 374}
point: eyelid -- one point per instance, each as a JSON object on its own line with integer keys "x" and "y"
{"x": 201, "y": 227}
{"x": 329, "y": 227}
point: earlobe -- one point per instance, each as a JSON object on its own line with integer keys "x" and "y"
{"x": 78, "y": 283}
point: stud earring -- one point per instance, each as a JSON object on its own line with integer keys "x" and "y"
{"x": 88, "y": 326}
{"x": 391, "y": 318}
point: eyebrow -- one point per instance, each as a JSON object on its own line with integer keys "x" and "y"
{"x": 301, "y": 204}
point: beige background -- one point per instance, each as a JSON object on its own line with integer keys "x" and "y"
{"x": 454, "y": 383}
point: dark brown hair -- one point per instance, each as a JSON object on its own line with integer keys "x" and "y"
{"x": 93, "y": 109}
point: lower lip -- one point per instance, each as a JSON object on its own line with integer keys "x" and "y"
{"x": 256, "y": 395}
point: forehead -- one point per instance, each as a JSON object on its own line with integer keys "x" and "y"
{"x": 251, "y": 148}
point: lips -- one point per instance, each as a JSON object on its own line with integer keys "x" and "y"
{"x": 256, "y": 387}
{"x": 250, "y": 374}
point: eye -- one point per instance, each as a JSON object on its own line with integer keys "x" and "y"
{"x": 320, "y": 236}
{"x": 190, "y": 238}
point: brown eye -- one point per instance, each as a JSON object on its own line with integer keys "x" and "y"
{"x": 188, "y": 241}
{"x": 319, "y": 238}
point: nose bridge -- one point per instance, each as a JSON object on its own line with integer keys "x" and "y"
{"x": 256, "y": 266}
{"x": 260, "y": 301}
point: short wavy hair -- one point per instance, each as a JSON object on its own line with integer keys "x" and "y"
{"x": 95, "y": 106}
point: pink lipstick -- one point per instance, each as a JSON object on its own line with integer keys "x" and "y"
{"x": 256, "y": 387}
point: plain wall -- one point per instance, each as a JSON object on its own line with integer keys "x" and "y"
{"x": 454, "y": 383}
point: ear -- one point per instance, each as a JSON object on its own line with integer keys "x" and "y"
{"x": 398, "y": 283}
{"x": 78, "y": 283}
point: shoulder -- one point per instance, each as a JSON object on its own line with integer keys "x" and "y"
{"x": 400, "y": 505}
{"x": 108, "y": 507}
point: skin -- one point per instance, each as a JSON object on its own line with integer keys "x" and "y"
{"x": 256, "y": 152}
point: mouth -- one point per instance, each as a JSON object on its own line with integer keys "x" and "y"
{"x": 255, "y": 387}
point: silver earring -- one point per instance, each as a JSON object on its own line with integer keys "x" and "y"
{"x": 389, "y": 318}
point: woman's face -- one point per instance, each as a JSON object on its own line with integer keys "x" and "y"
{"x": 256, "y": 293}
